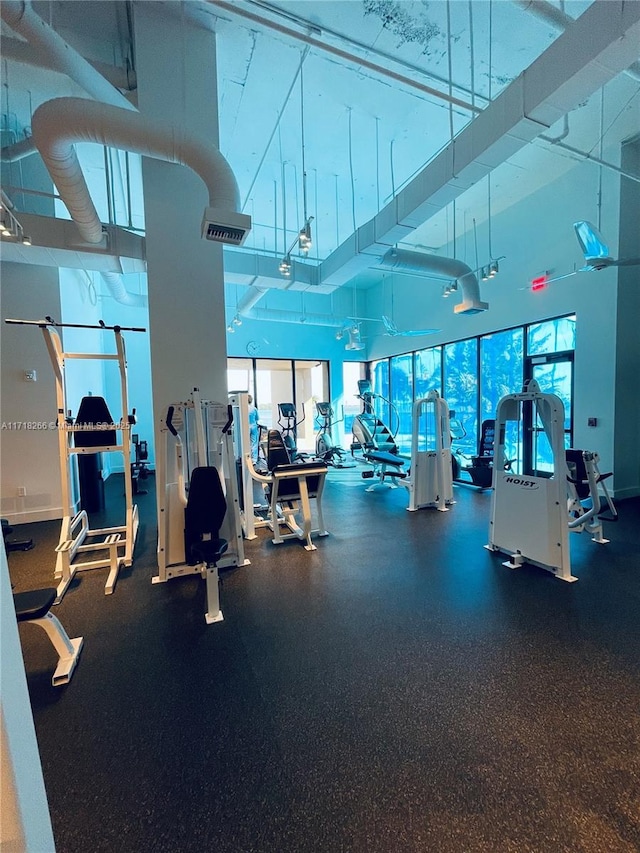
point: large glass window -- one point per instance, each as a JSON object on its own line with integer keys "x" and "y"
{"x": 552, "y": 336}
{"x": 380, "y": 385}
{"x": 501, "y": 366}
{"x": 311, "y": 386}
{"x": 461, "y": 390}
{"x": 352, "y": 371}
{"x": 402, "y": 400}
{"x": 274, "y": 384}
{"x": 428, "y": 372}
{"x": 240, "y": 375}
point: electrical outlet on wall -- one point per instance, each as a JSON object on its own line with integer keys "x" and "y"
{"x": 30, "y": 376}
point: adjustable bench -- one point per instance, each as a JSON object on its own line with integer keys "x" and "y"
{"x": 35, "y": 606}
{"x": 386, "y": 466}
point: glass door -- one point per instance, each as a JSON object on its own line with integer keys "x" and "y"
{"x": 554, "y": 375}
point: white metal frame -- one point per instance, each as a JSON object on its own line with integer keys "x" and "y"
{"x": 431, "y": 481}
{"x": 213, "y": 445}
{"x": 252, "y": 491}
{"x": 68, "y": 649}
{"x": 119, "y": 541}
{"x": 529, "y": 513}
{"x": 581, "y": 518}
{"x": 294, "y": 514}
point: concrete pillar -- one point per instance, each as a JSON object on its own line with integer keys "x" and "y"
{"x": 176, "y": 69}
{"x": 627, "y": 352}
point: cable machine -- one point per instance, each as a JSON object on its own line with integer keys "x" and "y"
{"x": 195, "y": 434}
{"x": 91, "y": 437}
{"x": 533, "y": 511}
{"x": 430, "y": 483}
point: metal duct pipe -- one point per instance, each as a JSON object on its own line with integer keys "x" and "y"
{"x": 443, "y": 269}
{"x": 114, "y": 282}
{"x": 20, "y": 51}
{"x": 559, "y": 20}
{"x": 282, "y": 316}
{"x": 249, "y": 298}
{"x": 59, "y": 123}
{"x": 20, "y": 16}
{"x": 254, "y": 293}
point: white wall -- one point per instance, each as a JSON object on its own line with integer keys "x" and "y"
{"x": 29, "y": 457}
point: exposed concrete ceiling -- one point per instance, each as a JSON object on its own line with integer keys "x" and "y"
{"x": 298, "y": 86}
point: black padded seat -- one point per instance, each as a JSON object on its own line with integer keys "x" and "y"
{"x": 209, "y": 551}
{"x": 34, "y": 604}
{"x": 384, "y": 458}
{"x": 203, "y": 517}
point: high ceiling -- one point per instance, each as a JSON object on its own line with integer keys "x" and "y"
{"x": 328, "y": 107}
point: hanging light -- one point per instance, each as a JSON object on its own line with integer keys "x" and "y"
{"x": 485, "y": 273}
{"x": 285, "y": 266}
{"x": 236, "y": 320}
{"x": 26, "y": 240}
{"x": 493, "y": 269}
{"x": 445, "y": 291}
{"x": 304, "y": 237}
{"x": 230, "y": 328}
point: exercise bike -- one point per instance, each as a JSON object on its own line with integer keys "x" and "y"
{"x": 326, "y": 450}
{"x": 473, "y": 470}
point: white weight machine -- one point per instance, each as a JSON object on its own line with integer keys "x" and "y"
{"x": 76, "y": 537}
{"x": 430, "y": 482}
{"x": 282, "y": 495}
{"x": 532, "y": 512}
{"x": 290, "y": 488}
{"x": 251, "y": 491}
{"x": 196, "y": 434}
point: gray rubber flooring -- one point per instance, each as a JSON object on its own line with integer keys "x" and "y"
{"x": 396, "y": 690}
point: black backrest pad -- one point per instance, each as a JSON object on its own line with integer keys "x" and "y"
{"x": 94, "y": 410}
{"x": 277, "y": 453}
{"x": 206, "y": 507}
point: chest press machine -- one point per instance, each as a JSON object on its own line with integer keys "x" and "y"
{"x": 532, "y": 513}
{"x": 199, "y": 528}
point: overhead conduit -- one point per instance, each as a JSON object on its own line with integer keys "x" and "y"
{"x": 60, "y": 122}
{"x": 440, "y": 268}
{"x": 53, "y": 52}
{"x": 559, "y": 20}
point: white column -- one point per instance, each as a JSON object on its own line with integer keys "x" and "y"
{"x": 176, "y": 69}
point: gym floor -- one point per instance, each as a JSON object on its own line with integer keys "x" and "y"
{"x": 396, "y": 690}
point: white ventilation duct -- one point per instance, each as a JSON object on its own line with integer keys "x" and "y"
{"x": 443, "y": 269}
{"x": 559, "y": 20}
{"x": 53, "y": 49}
{"x": 20, "y": 51}
{"x": 114, "y": 282}
{"x": 254, "y": 293}
{"x": 60, "y": 122}
{"x": 54, "y": 52}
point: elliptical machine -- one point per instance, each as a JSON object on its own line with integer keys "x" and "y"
{"x": 288, "y": 423}
{"x": 326, "y": 450}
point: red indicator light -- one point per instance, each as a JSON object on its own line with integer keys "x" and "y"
{"x": 539, "y": 283}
